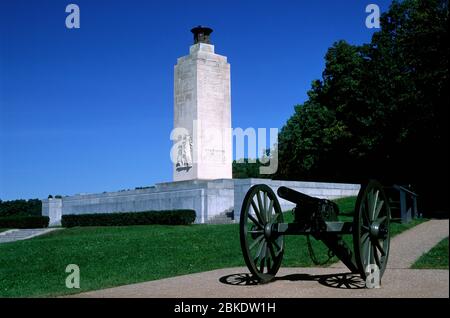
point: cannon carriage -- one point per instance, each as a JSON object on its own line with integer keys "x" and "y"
{"x": 262, "y": 229}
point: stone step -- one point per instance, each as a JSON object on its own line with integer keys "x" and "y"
{"x": 22, "y": 234}
{"x": 221, "y": 222}
{"x": 222, "y": 218}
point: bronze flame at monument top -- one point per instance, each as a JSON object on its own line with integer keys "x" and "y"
{"x": 201, "y": 34}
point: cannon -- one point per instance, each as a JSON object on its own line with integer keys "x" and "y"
{"x": 262, "y": 229}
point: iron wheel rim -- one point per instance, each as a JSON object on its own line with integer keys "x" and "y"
{"x": 371, "y": 236}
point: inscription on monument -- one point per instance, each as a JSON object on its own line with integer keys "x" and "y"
{"x": 214, "y": 155}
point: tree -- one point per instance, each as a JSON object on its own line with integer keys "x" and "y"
{"x": 20, "y": 207}
{"x": 380, "y": 109}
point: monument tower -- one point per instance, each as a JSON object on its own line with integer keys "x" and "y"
{"x": 202, "y": 113}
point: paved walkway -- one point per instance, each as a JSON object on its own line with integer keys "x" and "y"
{"x": 290, "y": 282}
{"x": 412, "y": 244}
{"x": 22, "y": 234}
{"x": 398, "y": 280}
{"x": 407, "y": 247}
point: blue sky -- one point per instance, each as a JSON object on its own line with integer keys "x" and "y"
{"x": 91, "y": 109}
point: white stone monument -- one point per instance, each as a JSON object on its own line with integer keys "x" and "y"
{"x": 202, "y": 153}
{"x": 202, "y": 133}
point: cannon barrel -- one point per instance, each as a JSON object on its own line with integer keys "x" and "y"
{"x": 297, "y": 197}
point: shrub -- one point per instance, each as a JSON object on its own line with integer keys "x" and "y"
{"x": 24, "y": 222}
{"x": 168, "y": 217}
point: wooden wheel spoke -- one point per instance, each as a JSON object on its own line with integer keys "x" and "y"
{"x": 378, "y": 209}
{"x": 269, "y": 211}
{"x": 255, "y": 221}
{"x": 366, "y": 255}
{"x": 382, "y": 219}
{"x": 258, "y": 214}
{"x": 258, "y": 253}
{"x": 262, "y": 257}
{"x": 278, "y": 247}
{"x": 379, "y": 247}
{"x": 272, "y": 251}
{"x": 255, "y": 242}
{"x": 364, "y": 237}
{"x": 377, "y": 259}
{"x": 369, "y": 254}
{"x": 265, "y": 207}
{"x": 374, "y": 205}
{"x": 261, "y": 207}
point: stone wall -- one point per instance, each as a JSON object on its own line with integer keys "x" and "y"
{"x": 209, "y": 198}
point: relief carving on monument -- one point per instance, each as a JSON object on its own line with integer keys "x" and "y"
{"x": 184, "y": 154}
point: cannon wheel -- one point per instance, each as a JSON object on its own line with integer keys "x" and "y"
{"x": 262, "y": 251}
{"x": 371, "y": 234}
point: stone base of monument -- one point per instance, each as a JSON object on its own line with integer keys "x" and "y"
{"x": 214, "y": 201}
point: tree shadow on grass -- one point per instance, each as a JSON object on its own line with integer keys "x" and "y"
{"x": 340, "y": 280}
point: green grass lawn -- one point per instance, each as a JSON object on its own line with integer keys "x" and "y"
{"x": 436, "y": 258}
{"x": 346, "y": 205}
{"x": 112, "y": 256}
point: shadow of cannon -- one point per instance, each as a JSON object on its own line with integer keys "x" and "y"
{"x": 340, "y": 280}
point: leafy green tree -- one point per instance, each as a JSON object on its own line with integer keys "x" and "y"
{"x": 246, "y": 168}
{"x": 20, "y": 207}
{"x": 380, "y": 109}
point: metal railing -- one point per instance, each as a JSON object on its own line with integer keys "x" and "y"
{"x": 403, "y": 203}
